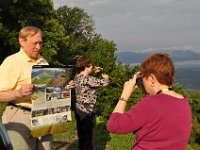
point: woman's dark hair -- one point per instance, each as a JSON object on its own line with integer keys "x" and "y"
{"x": 83, "y": 62}
{"x": 161, "y": 66}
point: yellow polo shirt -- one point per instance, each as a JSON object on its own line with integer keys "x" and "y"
{"x": 15, "y": 71}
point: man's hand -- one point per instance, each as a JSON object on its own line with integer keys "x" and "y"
{"x": 25, "y": 90}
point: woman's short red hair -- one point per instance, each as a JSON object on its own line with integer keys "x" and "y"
{"x": 161, "y": 66}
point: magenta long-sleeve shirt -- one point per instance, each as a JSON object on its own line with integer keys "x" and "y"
{"x": 159, "y": 122}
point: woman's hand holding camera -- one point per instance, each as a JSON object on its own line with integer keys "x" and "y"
{"x": 129, "y": 87}
{"x": 97, "y": 69}
{"x": 105, "y": 76}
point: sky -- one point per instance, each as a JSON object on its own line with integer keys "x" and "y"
{"x": 144, "y": 25}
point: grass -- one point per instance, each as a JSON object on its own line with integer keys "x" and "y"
{"x": 105, "y": 140}
{"x": 121, "y": 142}
{"x": 70, "y": 137}
{"x": 2, "y": 108}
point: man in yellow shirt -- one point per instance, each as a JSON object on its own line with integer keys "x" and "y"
{"x": 16, "y": 88}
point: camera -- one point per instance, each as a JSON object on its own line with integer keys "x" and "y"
{"x": 139, "y": 80}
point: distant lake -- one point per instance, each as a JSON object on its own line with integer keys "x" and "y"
{"x": 187, "y": 74}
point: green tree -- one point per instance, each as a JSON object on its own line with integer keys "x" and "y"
{"x": 54, "y": 42}
{"x": 101, "y": 52}
{"x": 79, "y": 27}
{"x": 195, "y": 107}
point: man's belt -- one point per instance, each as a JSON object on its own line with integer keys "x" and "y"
{"x": 19, "y": 106}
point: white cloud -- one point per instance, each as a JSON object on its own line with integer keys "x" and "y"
{"x": 99, "y": 2}
{"x": 144, "y": 24}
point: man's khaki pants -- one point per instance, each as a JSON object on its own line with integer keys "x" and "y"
{"x": 18, "y": 125}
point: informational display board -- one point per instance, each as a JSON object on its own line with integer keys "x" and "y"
{"x": 51, "y": 99}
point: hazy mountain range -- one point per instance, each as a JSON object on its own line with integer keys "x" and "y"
{"x": 187, "y": 65}
{"x": 176, "y": 55}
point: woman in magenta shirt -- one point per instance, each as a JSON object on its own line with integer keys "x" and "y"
{"x": 162, "y": 119}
